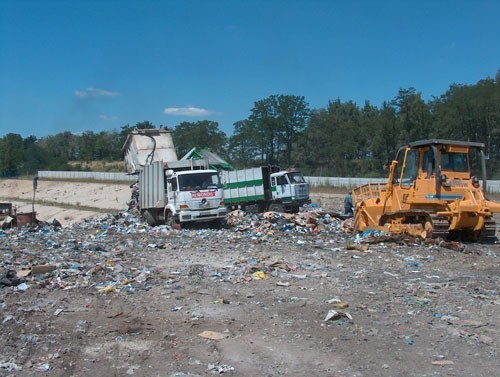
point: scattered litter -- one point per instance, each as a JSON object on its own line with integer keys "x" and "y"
{"x": 283, "y": 283}
{"x": 222, "y": 301}
{"x": 220, "y": 368}
{"x": 58, "y": 311}
{"x": 22, "y": 287}
{"x": 340, "y": 305}
{"x": 120, "y": 257}
{"x": 297, "y": 276}
{"x": 212, "y": 335}
{"x": 442, "y": 362}
{"x": 334, "y": 315}
{"x": 43, "y": 367}
{"x": 107, "y": 289}
{"x": 260, "y": 275}
{"x": 10, "y": 366}
{"x": 43, "y": 269}
{"x": 391, "y": 274}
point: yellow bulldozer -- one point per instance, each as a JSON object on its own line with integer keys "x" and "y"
{"x": 432, "y": 191}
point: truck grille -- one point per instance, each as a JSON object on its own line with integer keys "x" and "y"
{"x": 301, "y": 191}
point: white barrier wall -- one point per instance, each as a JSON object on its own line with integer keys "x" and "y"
{"x": 98, "y": 176}
{"x": 492, "y": 186}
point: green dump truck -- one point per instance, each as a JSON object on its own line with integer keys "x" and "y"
{"x": 266, "y": 188}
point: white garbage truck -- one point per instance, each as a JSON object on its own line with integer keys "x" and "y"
{"x": 180, "y": 192}
{"x": 266, "y": 188}
{"x": 171, "y": 191}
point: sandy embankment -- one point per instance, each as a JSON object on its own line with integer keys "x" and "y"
{"x": 67, "y": 202}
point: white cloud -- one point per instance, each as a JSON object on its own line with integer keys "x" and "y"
{"x": 95, "y": 92}
{"x": 108, "y": 118}
{"x": 188, "y": 111}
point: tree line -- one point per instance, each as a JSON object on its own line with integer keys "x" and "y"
{"x": 342, "y": 139}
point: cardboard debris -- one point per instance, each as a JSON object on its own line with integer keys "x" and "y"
{"x": 36, "y": 270}
{"x": 442, "y": 362}
{"x": 213, "y": 335}
{"x": 42, "y": 269}
{"x": 23, "y": 273}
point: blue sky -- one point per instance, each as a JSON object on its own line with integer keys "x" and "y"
{"x": 98, "y": 65}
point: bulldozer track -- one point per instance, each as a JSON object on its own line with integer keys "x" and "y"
{"x": 440, "y": 226}
{"x": 488, "y": 234}
{"x": 441, "y": 230}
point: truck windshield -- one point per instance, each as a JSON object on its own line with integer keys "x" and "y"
{"x": 199, "y": 181}
{"x": 296, "y": 177}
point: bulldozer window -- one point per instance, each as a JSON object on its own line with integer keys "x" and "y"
{"x": 454, "y": 162}
{"x": 410, "y": 170}
{"x": 428, "y": 166}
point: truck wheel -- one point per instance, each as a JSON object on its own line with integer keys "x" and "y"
{"x": 170, "y": 220}
{"x": 150, "y": 219}
{"x": 217, "y": 224}
{"x": 276, "y": 207}
{"x": 252, "y": 208}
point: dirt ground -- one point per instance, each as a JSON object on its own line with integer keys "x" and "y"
{"x": 260, "y": 298}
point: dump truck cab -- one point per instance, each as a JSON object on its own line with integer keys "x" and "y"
{"x": 289, "y": 188}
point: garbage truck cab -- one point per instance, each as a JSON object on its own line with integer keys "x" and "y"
{"x": 288, "y": 190}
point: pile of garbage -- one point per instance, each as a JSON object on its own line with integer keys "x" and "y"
{"x": 268, "y": 223}
{"x": 92, "y": 253}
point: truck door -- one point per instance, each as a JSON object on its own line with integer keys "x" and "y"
{"x": 171, "y": 192}
{"x": 274, "y": 188}
{"x": 281, "y": 188}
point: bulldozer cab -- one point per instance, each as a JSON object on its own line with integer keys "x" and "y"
{"x": 438, "y": 160}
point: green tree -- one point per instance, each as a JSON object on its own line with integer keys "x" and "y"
{"x": 471, "y": 113}
{"x": 333, "y": 139}
{"x": 11, "y": 157}
{"x": 61, "y": 146}
{"x": 243, "y": 144}
{"x": 413, "y": 115}
{"x": 315, "y": 145}
{"x": 385, "y": 139}
{"x": 279, "y": 119}
{"x": 202, "y": 134}
{"x": 105, "y": 146}
{"x": 34, "y": 158}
